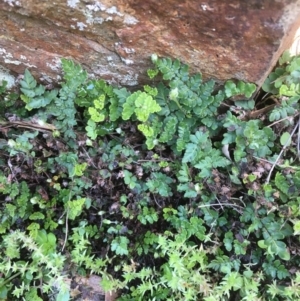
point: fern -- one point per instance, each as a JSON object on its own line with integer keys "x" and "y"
{"x": 224, "y": 265}
{"x": 147, "y": 216}
{"x": 167, "y": 67}
{"x": 35, "y": 96}
{"x": 127, "y": 160}
{"x": 248, "y": 137}
{"x": 275, "y": 269}
{"x": 74, "y": 207}
{"x": 285, "y": 79}
{"x": 189, "y": 99}
{"x": 95, "y": 112}
{"x": 141, "y": 104}
{"x": 169, "y": 129}
{"x": 20, "y": 207}
{"x": 287, "y": 108}
{"x": 199, "y": 141}
{"x": 146, "y": 130}
{"x": 160, "y": 183}
{"x": 65, "y": 105}
{"x": 120, "y": 245}
{"x": 183, "y": 137}
{"x": 117, "y": 103}
{"x": 145, "y": 105}
{"x": 184, "y": 173}
{"x": 213, "y": 161}
{"x": 241, "y": 88}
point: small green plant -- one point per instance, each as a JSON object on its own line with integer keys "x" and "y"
{"x": 42, "y": 263}
{"x": 283, "y": 82}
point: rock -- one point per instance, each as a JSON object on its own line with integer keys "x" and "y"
{"x": 295, "y": 48}
{"x": 88, "y": 289}
{"x": 114, "y": 39}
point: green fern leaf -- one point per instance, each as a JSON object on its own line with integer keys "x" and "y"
{"x": 183, "y": 137}
{"x": 11, "y": 209}
{"x": 36, "y": 216}
{"x": 116, "y": 103}
{"x": 73, "y": 73}
{"x": 75, "y": 208}
{"x": 91, "y": 129}
{"x": 146, "y": 130}
{"x": 184, "y": 174}
{"x": 129, "y": 105}
{"x": 120, "y": 245}
{"x": 169, "y": 129}
{"x": 28, "y": 83}
{"x": 159, "y": 183}
{"x": 99, "y": 102}
{"x": 150, "y": 90}
{"x": 189, "y": 191}
{"x": 191, "y": 153}
{"x": 145, "y": 105}
{"x": 96, "y": 115}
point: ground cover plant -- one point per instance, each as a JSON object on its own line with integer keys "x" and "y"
{"x": 181, "y": 190}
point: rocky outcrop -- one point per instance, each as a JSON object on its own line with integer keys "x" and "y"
{"x": 113, "y": 39}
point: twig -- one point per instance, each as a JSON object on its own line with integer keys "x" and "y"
{"x": 256, "y": 113}
{"x": 279, "y": 165}
{"x": 67, "y": 225}
{"x": 156, "y": 201}
{"x": 67, "y": 231}
{"x": 221, "y": 205}
{"x": 275, "y": 122}
{"x": 298, "y": 141}
{"x": 239, "y": 199}
{"x": 215, "y": 197}
{"x": 89, "y": 158}
{"x": 280, "y": 154}
{"x": 10, "y": 167}
{"x": 27, "y": 125}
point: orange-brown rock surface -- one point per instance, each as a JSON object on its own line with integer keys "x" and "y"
{"x": 113, "y": 39}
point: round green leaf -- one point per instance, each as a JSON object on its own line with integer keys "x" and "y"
{"x": 285, "y": 139}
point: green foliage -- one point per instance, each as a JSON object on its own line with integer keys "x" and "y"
{"x": 44, "y": 263}
{"x": 141, "y": 104}
{"x": 23, "y": 144}
{"x": 285, "y": 79}
{"x": 75, "y": 207}
{"x": 35, "y": 96}
{"x": 241, "y": 88}
{"x": 148, "y": 216}
{"x": 172, "y": 192}
{"x": 287, "y": 108}
{"x": 284, "y": 83}
{"x": 159, "y": 183}
{"x": 120, "y": 245}
{"x": 249, "y": 137}
{"x": 57, "y": 103}
{"x": 95, "y": 112}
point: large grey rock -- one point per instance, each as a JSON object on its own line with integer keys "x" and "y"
{"x": 113, "y": 39}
